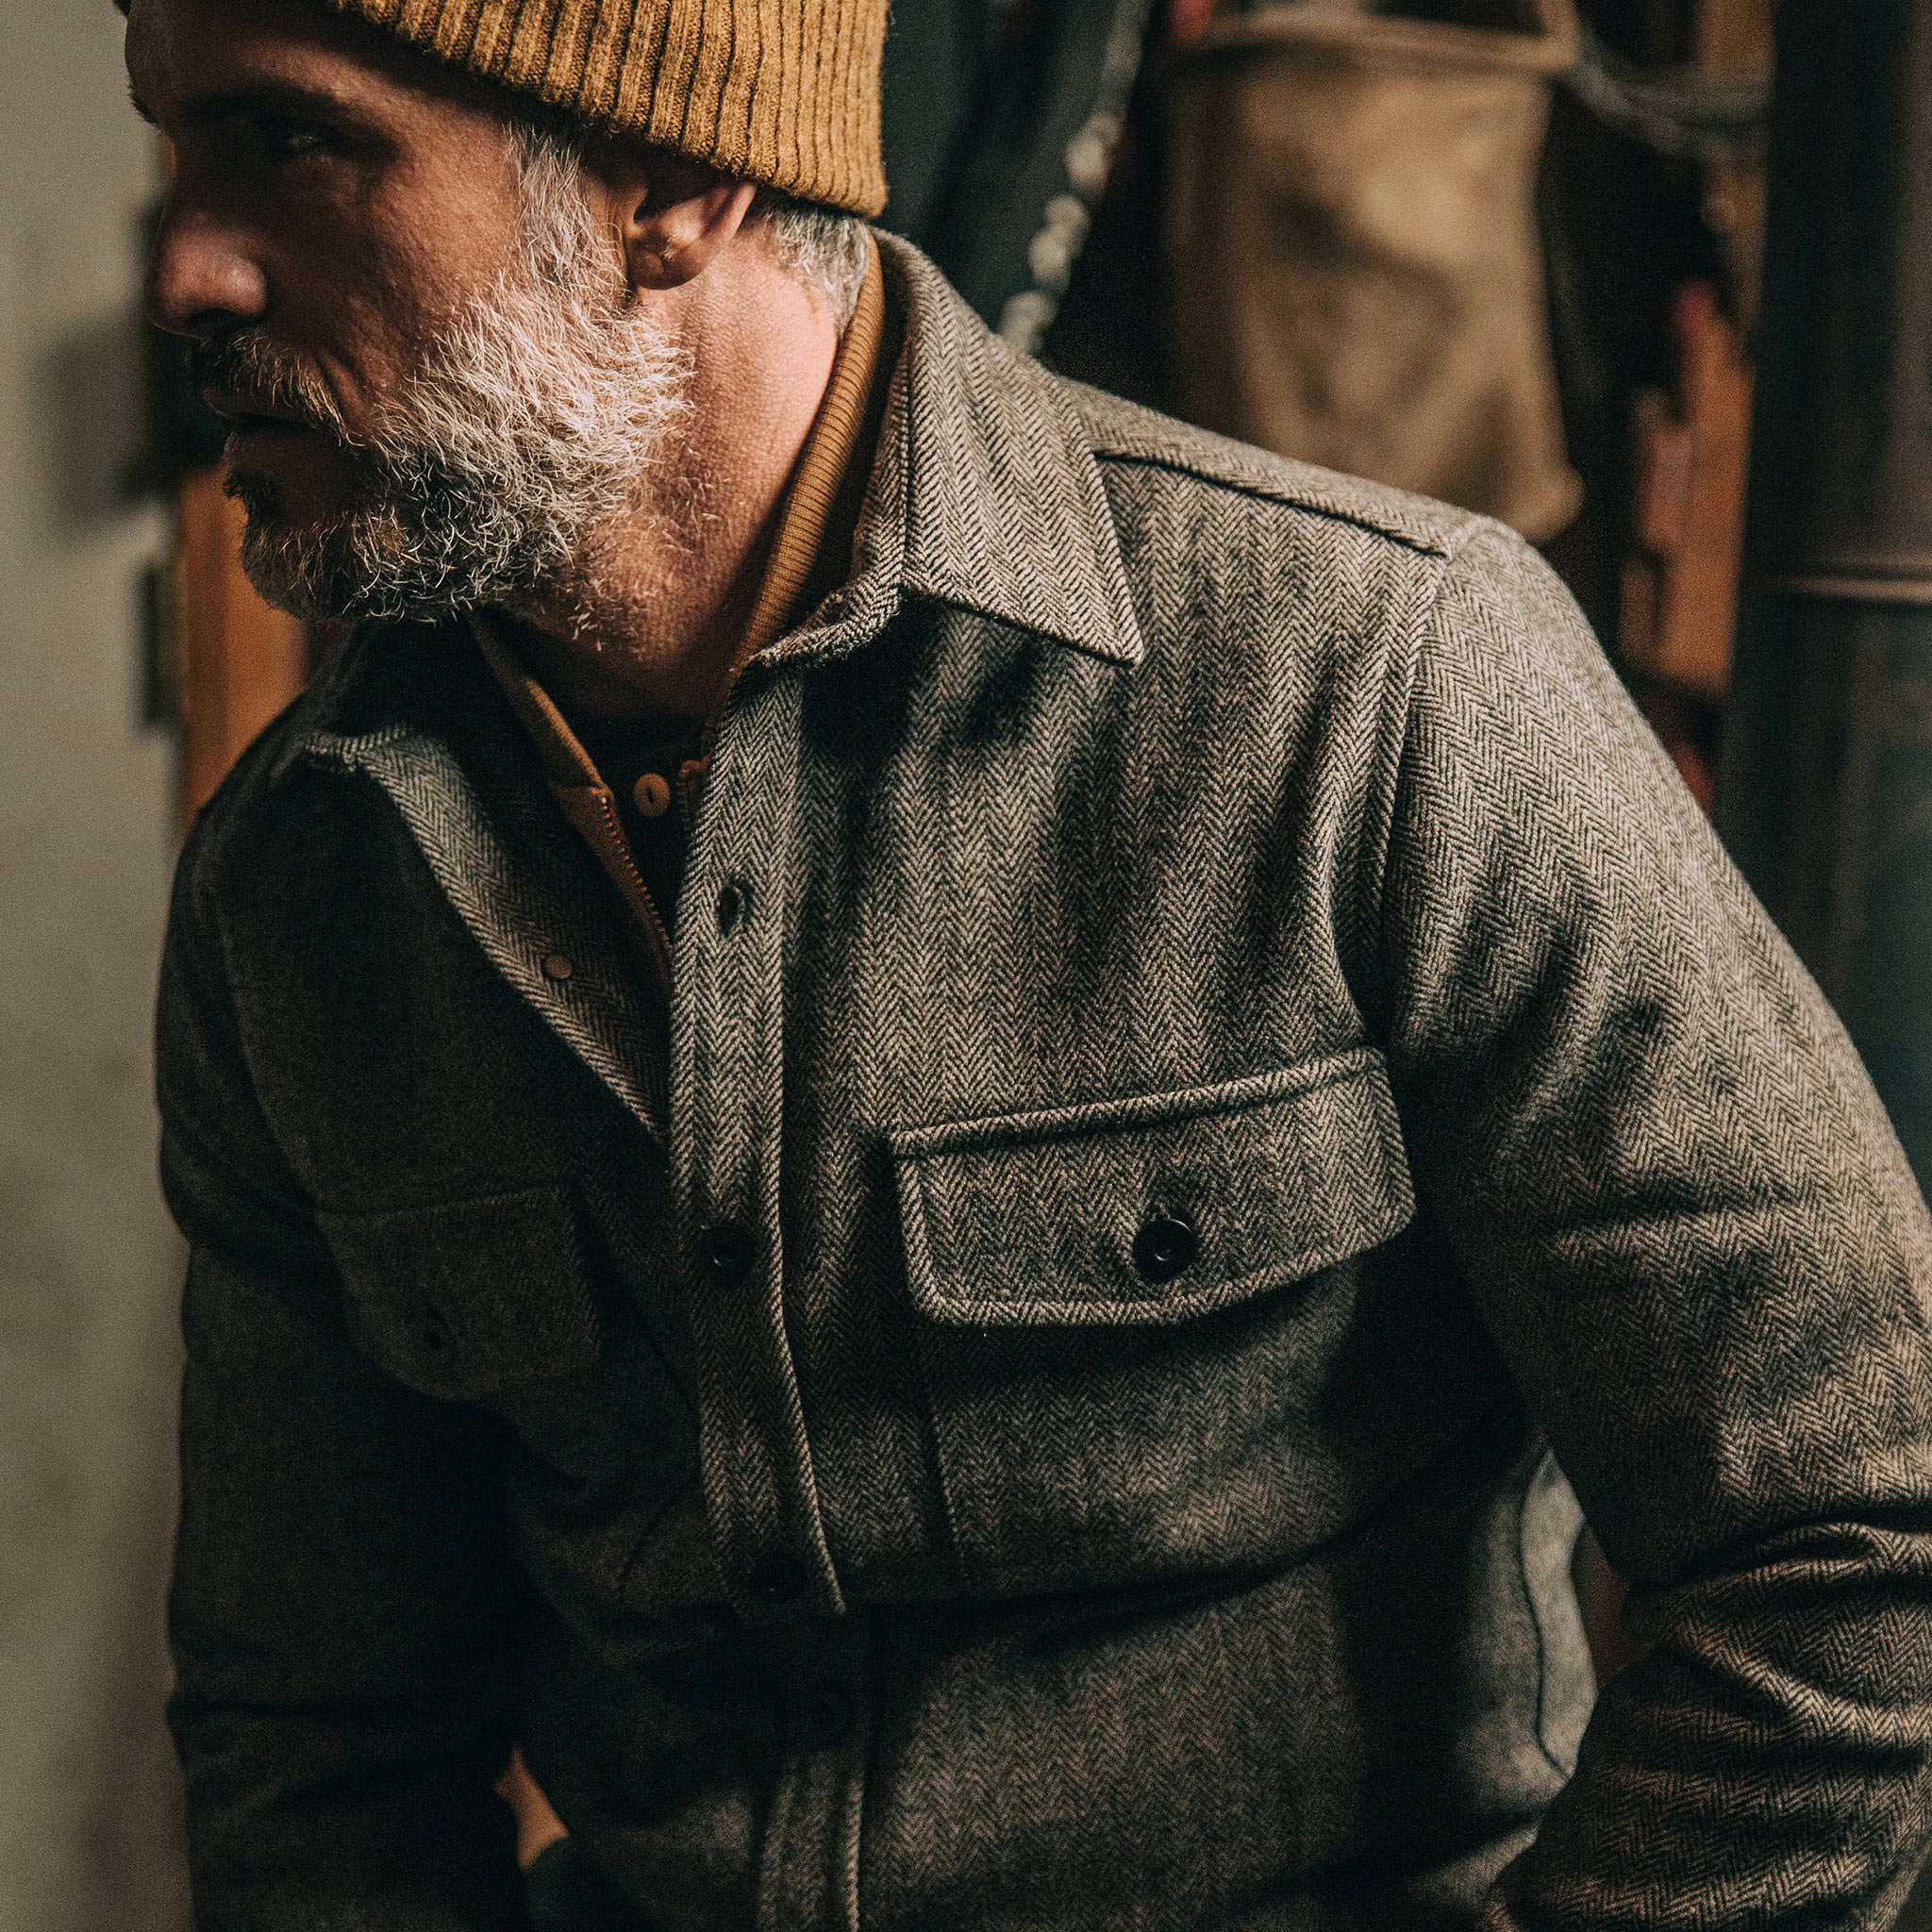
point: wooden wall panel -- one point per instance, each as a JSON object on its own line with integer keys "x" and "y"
{"x": 241, "y": 660}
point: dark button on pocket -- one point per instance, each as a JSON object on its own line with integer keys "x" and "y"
{"x": 1165, "y": 1246}
{"x": 464, "y": 1300}
{"x": 732, "y": 904}
{"x": 827, "y": 1713}
{"x": 432, "y": 1334}
{"x": 725, "y": 1253}
{"x": 778, "y": 1578}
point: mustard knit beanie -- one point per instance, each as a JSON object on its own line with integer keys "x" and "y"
{"x": 782, "y": 92}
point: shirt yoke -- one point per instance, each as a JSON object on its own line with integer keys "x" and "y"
{"x": 1127, "y": 433}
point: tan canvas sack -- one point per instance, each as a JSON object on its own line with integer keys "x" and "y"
{"x": 1355, "y": 273}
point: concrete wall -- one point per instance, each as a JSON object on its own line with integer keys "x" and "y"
{"x": 87, "y": 1263}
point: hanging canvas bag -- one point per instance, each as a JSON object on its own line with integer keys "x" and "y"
{"x": 1355, "y": 273}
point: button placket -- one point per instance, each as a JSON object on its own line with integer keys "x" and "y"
{"x": 809, "y": 1860}
{"x": 726, "y": 1112}
{"x": 726, "y": 1253}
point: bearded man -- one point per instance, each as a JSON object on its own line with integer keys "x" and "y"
{"x": 934, "y": 1127}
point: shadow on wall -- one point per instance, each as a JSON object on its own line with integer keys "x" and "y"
{"x": 89, "y": 1796}
{"x": 86, "y": 419}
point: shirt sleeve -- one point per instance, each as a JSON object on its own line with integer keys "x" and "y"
{"x": 1687, "y": 1224}
{"x": 339, "y": 1610}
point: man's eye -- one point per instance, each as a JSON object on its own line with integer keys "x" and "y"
{"x": 286, "y": 141}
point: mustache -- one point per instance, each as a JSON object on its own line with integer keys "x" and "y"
{"x": 251, "y": 364}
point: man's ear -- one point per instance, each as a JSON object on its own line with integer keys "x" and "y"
{"x": 674, "y": 216}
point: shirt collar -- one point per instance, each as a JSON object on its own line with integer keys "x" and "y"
{"x": 1005, "y": 513}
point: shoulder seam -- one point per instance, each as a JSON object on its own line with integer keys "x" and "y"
{"x": 1445, "y": 546}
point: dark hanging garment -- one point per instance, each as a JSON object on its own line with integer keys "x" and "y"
{"x": 938, "y": 53}
{"x": 1001, "y": 122}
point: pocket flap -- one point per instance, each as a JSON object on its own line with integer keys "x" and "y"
{"x": 466, "y": 1298}
{"x": 1060, "y": 1217}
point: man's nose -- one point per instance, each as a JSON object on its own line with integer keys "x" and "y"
{"x": 201, "y": 279}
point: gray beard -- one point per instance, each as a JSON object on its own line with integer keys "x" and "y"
{"x": 536, "y": 418}
{"x": 420, "y": 543}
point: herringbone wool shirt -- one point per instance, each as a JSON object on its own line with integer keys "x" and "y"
{"x": 1215, "y": 1084}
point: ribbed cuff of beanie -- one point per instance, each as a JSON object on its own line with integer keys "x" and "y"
{"x": 781, "y": 91}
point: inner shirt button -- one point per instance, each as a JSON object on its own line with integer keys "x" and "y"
{"x": 652, "y": 795}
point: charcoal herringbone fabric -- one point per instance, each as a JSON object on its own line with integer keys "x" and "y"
{"x": 1047, "y": 1391}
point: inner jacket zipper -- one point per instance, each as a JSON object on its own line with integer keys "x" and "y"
{"x": 643, "y": 903}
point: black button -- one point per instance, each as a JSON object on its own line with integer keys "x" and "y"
{"x": 733, "y": 903}
{"x": 725, "y": 1253}
{"x": 432, "y": 1333}
{"x": 778, "y": 1578}
{"x": 1165, "y": 1246}
{"x": 827, "y": 1713}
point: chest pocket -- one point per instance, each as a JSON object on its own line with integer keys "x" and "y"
{"x": 467, "y": 1300}
{"x": 511, "y": 1302}
{"x": 1177, "y": 1331}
